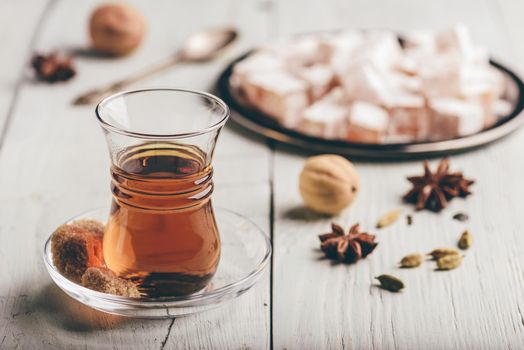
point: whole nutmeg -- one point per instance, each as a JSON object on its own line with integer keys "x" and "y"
{"x": 328, "y": 183}
{"x": 116, "y": 29}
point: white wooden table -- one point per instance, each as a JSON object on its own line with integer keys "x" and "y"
{"x": 54, "y": 164}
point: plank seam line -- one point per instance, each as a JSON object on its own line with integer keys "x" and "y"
{"x": 21, "y": 77}
{"x": 500, "y": 20}
{"x": 372, "y": 333}
{"x": 164, "y": 342}
{"x": 273, "y": 19}
{"x": 273, "y": 30}
{"x": 453, "y": 309}
{"x": 393, "y": 334}
{"x": 271, "y": 235}
{"x": 520, "y": 314}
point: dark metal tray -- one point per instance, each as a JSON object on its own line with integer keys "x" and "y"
{"x": 256, "y": 121}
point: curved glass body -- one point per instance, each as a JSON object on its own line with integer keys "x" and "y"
{"x": 161, "y": 230}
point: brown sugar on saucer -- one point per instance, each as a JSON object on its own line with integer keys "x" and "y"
{"x": 104, "y": 280}
{"x": 93, "y": 226}
{"x": 76, "y": 247}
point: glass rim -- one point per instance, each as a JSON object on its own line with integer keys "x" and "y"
{"x": 109, "y": 126}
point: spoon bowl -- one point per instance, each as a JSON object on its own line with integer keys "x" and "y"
{"x": 206, "y": 44}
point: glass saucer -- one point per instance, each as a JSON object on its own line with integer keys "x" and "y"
{"x": 246, "y": 251}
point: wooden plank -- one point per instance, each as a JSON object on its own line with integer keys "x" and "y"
{"x": 54, "y": 165}
{"x": 510, "y": 18}
{"x": 478, "y": 306}
{"x": 16, "y": 49}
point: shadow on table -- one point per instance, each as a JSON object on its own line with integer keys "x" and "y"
{"x": 49, "y": 318}
{"x": 61, "y": 311}
{"x": 302, "y": 213}
{"x": 51, "y": 308}
{"x": 87, "y": 52}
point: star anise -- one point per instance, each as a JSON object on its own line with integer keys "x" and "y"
{"x": 53, "y": 68}
{"x": 433, "y": 191}
{"x": 347, "y": 248}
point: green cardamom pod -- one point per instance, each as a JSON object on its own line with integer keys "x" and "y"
{"x": 411, "y": 260}
{"x": 449, "y": 262}
{"x": 466, "y": 240}
{"x": 441, "y": 252}
{"x": 389, "y": 218}
{"x": 391, "y": 283}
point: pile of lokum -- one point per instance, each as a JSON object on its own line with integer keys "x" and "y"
{"x": 371, "y": 87}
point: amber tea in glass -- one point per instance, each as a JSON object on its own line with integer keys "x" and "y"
{"x": 161, "y": 230}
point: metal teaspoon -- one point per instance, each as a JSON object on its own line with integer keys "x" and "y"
{"x": 198, "y": 47}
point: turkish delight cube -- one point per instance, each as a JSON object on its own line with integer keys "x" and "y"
{"x": 320, "y": 79}
{"x": 368, "y": 123}
{"x": 278, "y": 94}
{"x": 365, "y": 83}
{"x": 256, "y": 62}
{"x": 409, "y": 117}
{"x": 325, "y": 119}
{"x": 452, "y": 117}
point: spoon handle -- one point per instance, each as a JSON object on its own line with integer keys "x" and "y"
{"x": 94, "y": 96}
